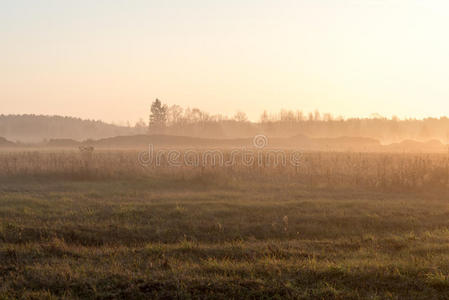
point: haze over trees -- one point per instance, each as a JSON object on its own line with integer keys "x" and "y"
{"x": 36, "y": 128}
{"x": 175, "y": 120}
{"x": 286, "y": 123}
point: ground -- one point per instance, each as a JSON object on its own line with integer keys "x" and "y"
{"x": 164, "y": 237}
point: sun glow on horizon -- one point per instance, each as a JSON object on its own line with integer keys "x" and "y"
{"x": 109, "y": 59}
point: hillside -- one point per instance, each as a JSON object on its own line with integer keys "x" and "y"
{"x": 5, "y": 143}
{"x": 299, "y": 142}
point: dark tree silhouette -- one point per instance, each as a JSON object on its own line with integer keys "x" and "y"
{"x": 158, "y": 117}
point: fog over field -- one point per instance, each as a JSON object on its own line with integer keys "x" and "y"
{"x": 224, "y": 150}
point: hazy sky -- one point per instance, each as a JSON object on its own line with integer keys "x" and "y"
{"x": 108, "y": 59}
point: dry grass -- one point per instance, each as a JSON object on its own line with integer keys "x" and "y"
{"x": 378, "y": 171}
{"x": 121, "y": 231}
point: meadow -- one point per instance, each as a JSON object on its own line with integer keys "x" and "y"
{"x": 338, "y": 226}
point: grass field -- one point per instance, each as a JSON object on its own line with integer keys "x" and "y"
{"x": 165, "y": 236}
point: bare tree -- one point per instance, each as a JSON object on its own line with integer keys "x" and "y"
{"x": 240, "y": 117}
{"x": 174, "y": 115}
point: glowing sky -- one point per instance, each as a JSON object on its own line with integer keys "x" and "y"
{"x": 108, "y": 59}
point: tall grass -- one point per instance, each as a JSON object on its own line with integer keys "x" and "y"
{"x": 173, "y": 232}
{"x": 316, "y": 169}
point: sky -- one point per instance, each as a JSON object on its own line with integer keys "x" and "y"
{"x": 109, "y": 59}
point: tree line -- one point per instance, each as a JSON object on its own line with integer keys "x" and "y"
{"x": 176, "y": 120}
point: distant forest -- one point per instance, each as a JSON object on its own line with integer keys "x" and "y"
{"x": 287, "y": 123}
{"x": 38, "y": 128}
{"x": 174, "y": 120}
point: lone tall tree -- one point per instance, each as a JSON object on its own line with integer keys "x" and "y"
{"x": 158, "y": 116}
